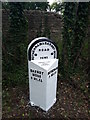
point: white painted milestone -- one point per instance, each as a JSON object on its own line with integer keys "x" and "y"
{"x": 43, "y": 68}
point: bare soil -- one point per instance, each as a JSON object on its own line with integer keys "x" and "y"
{"x": 70, "y": 104}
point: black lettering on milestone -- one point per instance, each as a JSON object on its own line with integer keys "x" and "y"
{"x": 52, "y": 70}
{"x": 42, "y": 73}
{"x": 32, "y": 74}
{"x": 52, "y": 47}
{"x": 47, "y": 43}
{"x": 39, "y": 72}
{"x": 35, "y": 78}
{"x": 36, "y": 75}
{"x": 35, "y": 54}
{"x": 40, "y": 43}
{"x": 34, "y": 48}
{"x": 40, "y": 57}
{"x": 51, "y": 53}
{"x": 47, "y": 49}
{"x": 30, "y": 70}
{"x": 52, "y": 74}
{"x": 37, "y": 45}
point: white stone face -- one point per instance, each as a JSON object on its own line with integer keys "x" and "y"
{"x": 43, "y": 82}
{"x": 43, "y": 67}
{"x": 43, "y": 50}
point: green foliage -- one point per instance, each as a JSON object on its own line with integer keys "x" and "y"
{"x": 5, "y": 5}
{"x": 18, "y": 30}
{"x": 28, "y": 5}
{"x": 36, "y": 6}
{"x": 80, "y": 29}
{"x": 15, "y": 53}
{"x": 68, "y": 27}
{"x": 55, "y": 6}
{"x": 17, "y": 18}
{"x": 16, "y": 77}
{"x": 15, "y": 48}
{"x": 75, "y": 18}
